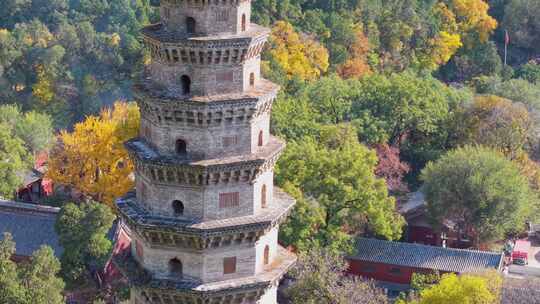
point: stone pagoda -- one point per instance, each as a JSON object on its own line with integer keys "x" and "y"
{"x": 205, "y": 215}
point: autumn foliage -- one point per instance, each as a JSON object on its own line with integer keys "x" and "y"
{"x": 298, "y": 55}
{"x": 464, "y": 23}
{"x": 92, "y": 159}
{"x": 391, "y": 168}
{"x": 473, "y": 19}
{"x": 499, "y": 123}
{"x": 357, "y": 64}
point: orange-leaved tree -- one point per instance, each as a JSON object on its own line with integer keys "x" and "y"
{"x": 298, "y": 55}
{"x": 356, "y": 65}
{"x": 92, "y": 158}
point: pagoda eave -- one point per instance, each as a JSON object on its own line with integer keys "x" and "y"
{"x": 159, "y": 34}
{"x": 141, "y": 151}
{"x": 146, "y": 90}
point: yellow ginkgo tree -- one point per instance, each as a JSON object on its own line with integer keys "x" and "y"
{"x": 298, "y": 55}
{"x": 92, "y": 158}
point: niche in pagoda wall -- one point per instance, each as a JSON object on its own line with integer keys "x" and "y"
{"x": 260, "y": 132}
{"x": 251, "y": 73}
{"x": 266, "y": 250}
{"x": 264, "y": 185}
{"x": 210, "y": 265}
{"x": 243, "y": 17}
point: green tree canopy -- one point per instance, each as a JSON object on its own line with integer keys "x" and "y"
{"x": 11, "y": 290}
{"x": 517, "y": 90}
{"x": 498, "y": 123}
{"x": 33, "y": 128}
{"x": 334, "y": 177}
{"x": 29, "y": 283}
{"x": 82, "y": 231}
{"x": 21, "y": 135}
{"x": 408, "y": 111}
{"x": 69, "y": 58}
{"x": 406, "y": 104}
{"x": 529, "y": 71}
{"x": 522, "y": 20}
{"x": 331, "y": 97}
{"x": 478, "y": 189}
{"x": 480, "y": 59}
{"x": 13, "y": 160}
{"x": 294, "y": 118}
{"x": 39, "y": 278}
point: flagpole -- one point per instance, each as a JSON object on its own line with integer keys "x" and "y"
{"x": 506, "y": 41}
{"x": 505, "y": 52}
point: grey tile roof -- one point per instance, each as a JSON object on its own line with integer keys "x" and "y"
{"x": 415, "y": 201}
{"x": 147, "y": 153}
{"x": 520, "y": 291}
{"x": 29, "y": 176}
{"x": 30, "y": 225}
{"x": 426, "y": 257}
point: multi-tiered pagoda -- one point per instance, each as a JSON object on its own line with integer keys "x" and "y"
{"x": 205, "y": 216}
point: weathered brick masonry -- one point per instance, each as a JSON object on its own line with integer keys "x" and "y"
{"x": 205, "y": 215}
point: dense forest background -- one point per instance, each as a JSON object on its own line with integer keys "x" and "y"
{"x": 379, "y": 98}
{"x": 69, "y": 58}
{"x": 372, "y": 91}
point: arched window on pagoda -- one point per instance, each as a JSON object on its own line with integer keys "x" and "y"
{"x": 260, "y": 144}
{"x": 186, "y": 84}
{"x": 191, "y": 25}
{"x": 178, "y": 208}
{"x": 181, "y": 147}
{"x": 263, "y": 197}
{"x": 266, "y": 257}
{"x": 244, "y": 21}
{"x": 175, "y": 267}
{"x": 252, "y": 79}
